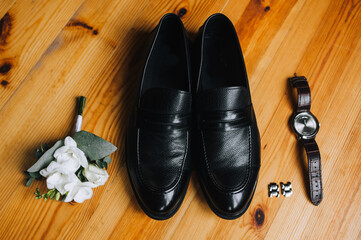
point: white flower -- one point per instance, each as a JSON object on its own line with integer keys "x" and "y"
{"x": 57, "y": 176}
{"x": 96, "y": 175}
{"x": 79, "y": 191}
{"x": 70, "y": 156}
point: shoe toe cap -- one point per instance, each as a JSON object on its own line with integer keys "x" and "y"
{"x": 231, "y": 205}
{"x": 161, "y": 205}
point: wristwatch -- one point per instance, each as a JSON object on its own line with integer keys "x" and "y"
{"x": 306, "y": 126}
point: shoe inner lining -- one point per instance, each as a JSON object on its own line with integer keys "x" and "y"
{"x": 222, "y": 64}
{"x": 167, "y": 65}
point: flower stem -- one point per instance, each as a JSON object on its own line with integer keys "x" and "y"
{"x": 79, "y": 120}
{"x": 81, "y": 104}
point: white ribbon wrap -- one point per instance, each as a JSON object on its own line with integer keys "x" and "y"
{"x": 78, "y": 123}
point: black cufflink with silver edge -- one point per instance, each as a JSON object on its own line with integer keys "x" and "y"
{"x": 273, "y": 190}
{"x": 286, "y": 189}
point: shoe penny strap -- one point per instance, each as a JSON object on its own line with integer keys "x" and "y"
{"x": 225, "y": 120}
{"x": 157, "y": 121}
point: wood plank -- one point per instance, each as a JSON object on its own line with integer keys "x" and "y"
{"x": 28, "y": 28}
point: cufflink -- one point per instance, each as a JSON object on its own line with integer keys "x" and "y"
{"x": 286, "y": 189}
{"x": 273, "y": 190}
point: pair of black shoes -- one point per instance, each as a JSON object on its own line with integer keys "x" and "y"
{"x": 202, "y": 117}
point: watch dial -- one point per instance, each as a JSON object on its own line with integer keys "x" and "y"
{"x": 305, "y": 124}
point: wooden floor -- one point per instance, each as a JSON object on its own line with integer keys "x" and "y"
{"x": 53, "y": 51}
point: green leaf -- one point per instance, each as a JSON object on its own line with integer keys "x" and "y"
{"x": 46, "y": 195}
{"x": 99, "y": 163}
{"x": 38, "y": 197}
{"x": 107, "y": 159}
{"x": 64, "y": 196}
{"x": 52, "y": 195}
{"x": 80, "y": 175}
{"x": 46, "y": 158}
{"x": 57, "y": 196}
{"x": 29, "y": 182}
{"x": 38, "y": 153}
{"x": 41, "y": 151}
{"x": 46, "y": 146}
{"x": 94, "y": 147}
{"x": 35, "y": 175}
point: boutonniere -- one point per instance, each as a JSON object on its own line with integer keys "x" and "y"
{"x": 72, "y": 166}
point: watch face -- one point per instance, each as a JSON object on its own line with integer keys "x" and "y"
{"x": 305, "y": 124}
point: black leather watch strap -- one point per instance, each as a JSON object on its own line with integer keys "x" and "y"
{"x": 304, "y": 93}
{"x": 314, "y": 170}
{"x": 310, "y": 145}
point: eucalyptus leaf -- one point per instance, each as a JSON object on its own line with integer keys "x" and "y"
{"x": 29, "y": 182}
{"x": 107, "y": 159}
{"x": 99, "y": 163}
{"x": 46, "y": 158}
{"x": 35, "y": 175}
{"x": 38, "y": 153}
{"x": 94, "y": 147}
{"x": 46, "y": 146}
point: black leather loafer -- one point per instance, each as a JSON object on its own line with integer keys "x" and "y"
{"x": 226, "y": 141}
{"x": 158, "y": 139}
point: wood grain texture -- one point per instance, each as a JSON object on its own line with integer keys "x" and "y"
{"x": 27, "y": 30}
{"x": 5, "y": 5}
{"x": 53, "y": 51}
